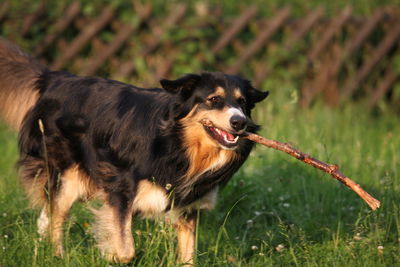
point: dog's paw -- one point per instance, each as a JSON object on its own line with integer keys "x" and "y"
{"x": 58, "y": 251}
{"x": 120, "y": 258}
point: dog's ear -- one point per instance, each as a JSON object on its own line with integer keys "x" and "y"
{"x": 183, "y": 85}
{"x": 253, "y": 94}
{"x": 257, "y": 95}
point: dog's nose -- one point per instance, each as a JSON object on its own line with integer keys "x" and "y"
{"x": 238, "y": 122}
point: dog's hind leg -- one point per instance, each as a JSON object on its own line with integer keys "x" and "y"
{"x": 43, "y": 222}
{"x": 113, "y": 230}
{"x": 186, "y": 231}
{"x": 71, "y": 188}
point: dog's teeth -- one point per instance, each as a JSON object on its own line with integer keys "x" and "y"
{"x": 225, "y": 135}
{"x": 229, "y": 141}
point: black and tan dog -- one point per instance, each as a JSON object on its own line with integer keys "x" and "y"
{"x": 141, "y": 151}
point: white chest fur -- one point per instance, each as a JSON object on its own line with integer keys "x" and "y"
{"x": 151, "y": 201}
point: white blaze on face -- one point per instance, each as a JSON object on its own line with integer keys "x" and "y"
{"x": 236, "y": 112}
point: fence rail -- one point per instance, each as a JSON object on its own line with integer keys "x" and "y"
{"x": 337, "y": 58}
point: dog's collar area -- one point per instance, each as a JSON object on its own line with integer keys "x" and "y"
{"x": 225, "y": 139}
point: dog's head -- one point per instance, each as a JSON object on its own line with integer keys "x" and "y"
{"x": 215, "y": 107}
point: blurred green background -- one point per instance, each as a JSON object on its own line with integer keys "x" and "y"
{"x": 302, "y": 51}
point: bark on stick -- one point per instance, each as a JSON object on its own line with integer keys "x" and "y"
{"x": 333, "y": 170}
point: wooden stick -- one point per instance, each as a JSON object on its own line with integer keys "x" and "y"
{"x": 333, "y": 170}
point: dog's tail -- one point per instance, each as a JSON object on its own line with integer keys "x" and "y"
{"x": 19, "y": 82}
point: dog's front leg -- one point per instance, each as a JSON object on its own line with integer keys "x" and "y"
{"x": 186, "y": 231}
{"x": 113, "y": 231}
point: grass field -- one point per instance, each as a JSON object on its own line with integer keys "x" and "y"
{"x": 276, "y": 211}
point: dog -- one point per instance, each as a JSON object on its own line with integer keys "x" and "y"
{"x": 145, "y": 152}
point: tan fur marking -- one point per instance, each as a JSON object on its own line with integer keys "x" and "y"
{"x": 237, "y": 93}
{"x": 74, "y": 185}
{"x": 219, "y": 91}
{"x": 18, "y": 76}
{"x": 203, "y": 151}
{"x": 186, "y": 227}
{"x": 186, "y": 230}
{"x": 17, "y": 104}
{"x": 151, "y": 200}
{"x": 113, "y": 238}
{"x": 77, "y": 183}
{"x": 34, "y": 186}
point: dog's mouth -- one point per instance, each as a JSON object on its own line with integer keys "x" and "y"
{"x": 225, "y": 139}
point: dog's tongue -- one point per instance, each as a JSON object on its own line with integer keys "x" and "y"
{"x": 228, "y": 136}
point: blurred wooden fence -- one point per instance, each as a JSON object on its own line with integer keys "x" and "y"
{"x": 336, "y": 58}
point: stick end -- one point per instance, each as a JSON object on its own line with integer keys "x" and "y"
{"x": 373, "y": 203}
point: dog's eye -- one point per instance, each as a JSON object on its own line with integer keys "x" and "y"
{"x": 241, "y": 101}
{"x": 215, "y": 100}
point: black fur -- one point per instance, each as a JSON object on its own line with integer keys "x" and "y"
{"x": 138, "y": 150}
{"x": 119, "y": 134}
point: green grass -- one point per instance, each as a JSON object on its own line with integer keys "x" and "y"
{"x": 276, "y": 211}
